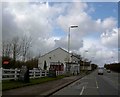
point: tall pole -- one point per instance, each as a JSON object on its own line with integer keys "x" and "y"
{"x": 83, "y": 60}
{"x": 91, "y": 63}
{"x": 68, "y": 50}
{"x": 112, "y": 59}
{"x": 69, "y": 46}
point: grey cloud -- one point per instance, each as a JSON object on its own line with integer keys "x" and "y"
{"x": 9, "y": 27}
{"x": 20, "y": 19}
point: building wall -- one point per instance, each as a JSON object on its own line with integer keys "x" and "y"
{"x": 75, "y": 68}
{"x": 89, "y": 68}
{"x": 57, "y": 55}
{"x": 74, "y": 59}
{"x": 57, "y": 67}
{"x": 85, "y": 67}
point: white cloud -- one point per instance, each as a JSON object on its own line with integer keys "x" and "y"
{"x": 44, "y": 45}
{"x": 78, "y": 15}
{"x": 109, "y": 23}
{"x": 35, "y": 20}
{"x": 110, "y": 39}
{"x": 89, "y": 26}
{"x": 75, "y": 44}
{"x": 39, "y": 20}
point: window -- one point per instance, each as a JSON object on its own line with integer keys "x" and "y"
{"x": 49, "y": 57}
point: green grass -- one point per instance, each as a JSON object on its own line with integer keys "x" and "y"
{"x": 7, "y": 85}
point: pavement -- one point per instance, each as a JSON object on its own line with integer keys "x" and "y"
{"x": 44, "y": 89}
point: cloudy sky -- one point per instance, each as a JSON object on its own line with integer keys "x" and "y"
{"x": 48, "y": 24}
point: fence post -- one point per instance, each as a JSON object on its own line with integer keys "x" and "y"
{"x": 45, "y": 73}
{"x": 34, "y": 72}
{"x": 15, "y": 77}
{"x": 1, "y": 74}
{"x": 40, "y": 73}
{"x": 56, "y": 73}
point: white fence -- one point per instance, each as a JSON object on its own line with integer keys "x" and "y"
{"x": 8, "y": 74}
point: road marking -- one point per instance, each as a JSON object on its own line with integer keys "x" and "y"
{"x": 96, "y": 82}
{"x": 82, "y": 90}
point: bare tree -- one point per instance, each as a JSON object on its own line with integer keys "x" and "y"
{"x": 16, "y": 47}
{"x": 6, "y": 48}
{"x": 25, "y": 46}
{"x": 29, "y": 55}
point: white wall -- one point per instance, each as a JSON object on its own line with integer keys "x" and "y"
{"x": 53, "y": 56}
{"x": 86, "y": 67}
{"x": 75, "y": 68}
{"x": 89, "y": 68}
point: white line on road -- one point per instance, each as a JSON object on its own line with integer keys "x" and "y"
{"x": 96, "y": 82}
{"x": 82, "y": 90}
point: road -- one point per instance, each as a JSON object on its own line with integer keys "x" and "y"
{"x": 93, "y": 84}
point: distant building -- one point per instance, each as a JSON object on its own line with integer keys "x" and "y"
{"x": 85, "y": 66}
{"x": 59, "y": 55}
{"x": 73, "y": 66}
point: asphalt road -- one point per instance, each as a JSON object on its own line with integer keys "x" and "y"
{"x": 93, "y": 84}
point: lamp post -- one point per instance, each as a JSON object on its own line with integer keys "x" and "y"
{"x": 92, "y": 58}
{"x": 112, "y": 59}
{"x": 91, "y": 63}
{"x": 83, "y": 60}
{"x": 73, "y": 26}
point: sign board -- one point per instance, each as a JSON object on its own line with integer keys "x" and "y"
{"x": 6, "y": 62}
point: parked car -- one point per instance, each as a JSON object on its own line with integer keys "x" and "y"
{"x": 108, "y": 70}
{"x": 100, "y": 71}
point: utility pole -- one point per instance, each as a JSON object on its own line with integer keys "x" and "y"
{"x": 69, "y": 46}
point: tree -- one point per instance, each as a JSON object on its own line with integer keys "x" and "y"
{"x": 25, "y": 46}
{"x": 11, "y": 48}
{"x": 16, "y": 48}
{"x": 6, "y": 48}
{"x": 29, "y": 55}
{"x": 94, "y": 66}
{"x": 32, "y": 63}
{"x": 45, "y": 65}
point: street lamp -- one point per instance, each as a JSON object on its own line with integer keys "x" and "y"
{"x": 92, "y": 62}
{"x": 73, "y": 26}
{"x": 83, "y": 60}
{"x": 92, "y": 58}
{"x": 112, "y": 59}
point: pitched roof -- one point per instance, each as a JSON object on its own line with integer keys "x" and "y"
{"x": 54, "y": 50}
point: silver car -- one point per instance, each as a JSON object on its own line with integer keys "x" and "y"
{"x": 100, "y": 71}
{"x": 108, "y": 71}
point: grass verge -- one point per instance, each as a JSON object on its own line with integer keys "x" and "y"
{"x": 7, "y": 85}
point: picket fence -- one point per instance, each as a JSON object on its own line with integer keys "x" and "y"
{"x": 9, "y": 74}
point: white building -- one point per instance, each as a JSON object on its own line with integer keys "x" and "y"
{"x": 85, "y": 66}
{"x": 57, "y": 55}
